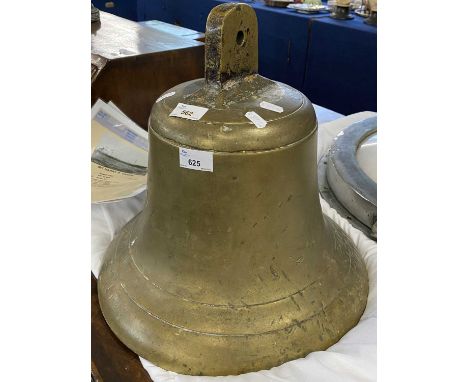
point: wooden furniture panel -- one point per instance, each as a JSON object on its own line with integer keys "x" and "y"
{"x": 132, "y": 65}
{"x": 111, "y": 360}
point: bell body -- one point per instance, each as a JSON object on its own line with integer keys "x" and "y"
{"x": 235, "y": 269}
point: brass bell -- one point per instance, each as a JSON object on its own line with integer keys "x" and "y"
{"x": 231, "y": 266}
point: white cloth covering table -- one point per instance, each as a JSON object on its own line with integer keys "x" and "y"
{"x": 351, "y": 359}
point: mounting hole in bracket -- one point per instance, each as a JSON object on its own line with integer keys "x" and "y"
{"x": 240, "y": 38}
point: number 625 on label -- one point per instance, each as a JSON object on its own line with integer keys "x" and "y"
{"x": 196, "y": 159}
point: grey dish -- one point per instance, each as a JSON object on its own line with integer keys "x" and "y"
{"x": 344, "y": 184}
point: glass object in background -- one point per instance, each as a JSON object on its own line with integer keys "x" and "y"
{"x": 363, "y": 9}
{"x": 355, "y": 4}
{"x": 341, "y": 10}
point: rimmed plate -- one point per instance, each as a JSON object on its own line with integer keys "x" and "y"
{"x": 308, "y": 8}
{"x": 361, "y": 13}
{"x": 347, "y": 175}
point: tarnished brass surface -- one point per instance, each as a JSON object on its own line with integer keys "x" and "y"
{"x": 234, "y": 270}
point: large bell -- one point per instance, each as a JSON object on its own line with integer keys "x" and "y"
{"x": 231, "y": 266}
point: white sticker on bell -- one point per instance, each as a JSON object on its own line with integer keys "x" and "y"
{"x": 256, "y": 119}
{"x": 271, "y": 106}
{"x": 188, "y": 111}
{"x": 196, "y": 159}
{"x": 165, "y": 96}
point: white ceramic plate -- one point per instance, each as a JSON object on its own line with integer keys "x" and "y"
{"x": 361, "y": 13}
{"x": 307, "y": 8}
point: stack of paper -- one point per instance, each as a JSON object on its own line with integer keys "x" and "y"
{"x": 119, "y": 154}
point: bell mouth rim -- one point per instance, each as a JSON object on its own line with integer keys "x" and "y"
{"x": 167, "y": 335}
{"x": 233, "y": 335}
